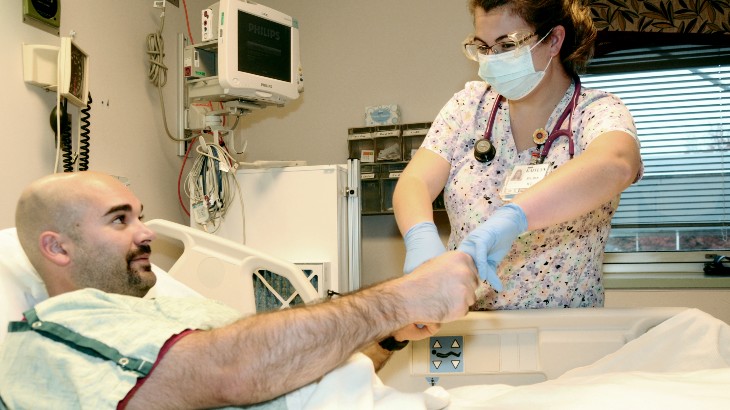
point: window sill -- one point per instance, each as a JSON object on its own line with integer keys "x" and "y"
{"x": 668, "y": 280}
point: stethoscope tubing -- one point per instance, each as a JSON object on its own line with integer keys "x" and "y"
{"x": 567, "y": 113}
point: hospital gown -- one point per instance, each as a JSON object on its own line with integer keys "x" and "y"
{"x": 559, "y": 266}
{"x": 39, "y": 372}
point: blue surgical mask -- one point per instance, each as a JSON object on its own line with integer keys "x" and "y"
{"x": 512, "y": 74}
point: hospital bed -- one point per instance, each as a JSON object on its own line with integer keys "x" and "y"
{"x": 485, "y": 359}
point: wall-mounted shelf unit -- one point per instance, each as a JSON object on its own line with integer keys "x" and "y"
{"x": 384, "y": 152}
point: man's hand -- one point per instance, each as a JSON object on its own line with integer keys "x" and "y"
{"x": 380, "y": 356}
{"x": 440, "y": 290}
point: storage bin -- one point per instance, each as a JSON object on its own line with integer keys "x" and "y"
{"x": 389, "y": 174}
{"x": 370, "y": 199}
{"x": 360, "y": 144}
{"x": 412, "y": 136}
{"x": 387, "y": 143}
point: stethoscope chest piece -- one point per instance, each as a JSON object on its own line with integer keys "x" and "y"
{"x": 484, "y": 151}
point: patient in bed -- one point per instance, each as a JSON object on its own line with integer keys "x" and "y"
{"x": 95, "y": 343}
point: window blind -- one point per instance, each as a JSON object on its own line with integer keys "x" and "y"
{"x": 680, "y": 101}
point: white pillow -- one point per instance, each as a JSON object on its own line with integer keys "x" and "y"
{"x": 21, "y": 287}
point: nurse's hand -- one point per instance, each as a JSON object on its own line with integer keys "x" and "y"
{"x": 489, "y": 242}
{"x": 422, "y": 243}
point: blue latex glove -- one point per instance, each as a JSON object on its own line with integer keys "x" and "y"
{"x": 490, "y": 241}
{"x": 422, "y": 243}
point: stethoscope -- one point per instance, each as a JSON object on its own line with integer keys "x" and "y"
{"x": 485, "y": 152}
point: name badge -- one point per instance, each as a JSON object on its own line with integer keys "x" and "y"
{"x": 522, "y": 178}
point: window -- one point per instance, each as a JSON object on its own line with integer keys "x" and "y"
{"x": 680, "y": 99}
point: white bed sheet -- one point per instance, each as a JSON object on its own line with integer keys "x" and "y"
{"x": 704, "y": 389}
{"x": 683, "y": 363}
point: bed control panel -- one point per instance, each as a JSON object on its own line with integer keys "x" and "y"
{"x": 512, "y": 351}
{"x": 446, "y": 354}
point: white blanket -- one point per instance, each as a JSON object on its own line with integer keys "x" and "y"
{"x": 704, "y": 389}
{"x": 682, "y": 363}
{"x": 356, "y": 386}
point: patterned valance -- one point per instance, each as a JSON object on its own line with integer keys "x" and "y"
{"x": 665, "y": 16}
{"x": 630, "y": 24}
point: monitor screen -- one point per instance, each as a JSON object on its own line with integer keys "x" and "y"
{"x": 258, "y": 53}
{"x": 264, "y": 47}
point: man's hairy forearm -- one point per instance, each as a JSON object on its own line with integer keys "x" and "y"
{"x": 303, "y": 343}
{"x": 264, "y": 356}
{"x": 315, "y": 340}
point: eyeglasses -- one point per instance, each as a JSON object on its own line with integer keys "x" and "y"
{"x": 513, "y": 40}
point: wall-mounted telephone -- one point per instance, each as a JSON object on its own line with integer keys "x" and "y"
{"x": 64, "y": 69}
{"x": 81, "y": 156}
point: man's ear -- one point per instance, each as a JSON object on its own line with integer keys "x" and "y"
{"x": 53, "y": 248}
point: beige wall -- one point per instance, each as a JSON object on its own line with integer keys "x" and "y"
{"x": 361, "y": 53}
{"x": 127, "y": 132}
{"x": 357, "y": 54}
{"x": 354, "y": 54}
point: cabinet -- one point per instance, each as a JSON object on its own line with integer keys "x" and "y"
{"x": 384, "y": 152}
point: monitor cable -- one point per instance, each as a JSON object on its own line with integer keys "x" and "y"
{"x": 210, "y": 182}
{"x": 157, "y": 72}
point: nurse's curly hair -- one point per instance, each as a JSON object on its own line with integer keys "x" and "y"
{"x": 573, "y": 15}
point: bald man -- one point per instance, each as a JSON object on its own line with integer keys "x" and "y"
{"x": 96, "y": 344}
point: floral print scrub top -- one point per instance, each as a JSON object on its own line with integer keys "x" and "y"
{"x": 559, "y": 266}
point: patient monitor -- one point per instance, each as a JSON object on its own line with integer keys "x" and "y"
{"x": 256, "y": 54}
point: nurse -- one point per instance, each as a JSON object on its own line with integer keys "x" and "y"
{"x": 531, "y": 164}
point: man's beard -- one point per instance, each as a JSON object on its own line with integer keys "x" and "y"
{"x": 99, "y": 268}
{"x": 133, "y": 277}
